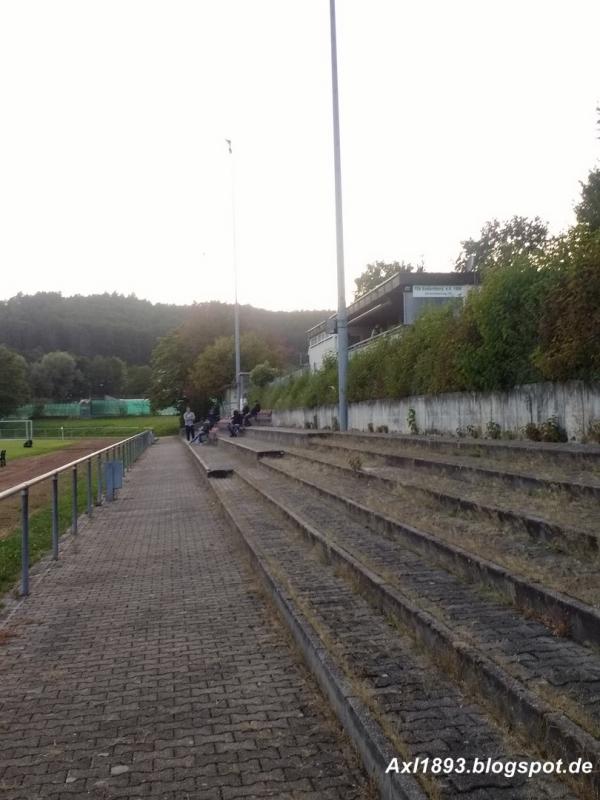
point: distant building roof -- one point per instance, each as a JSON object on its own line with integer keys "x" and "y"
{"x": 396, "y": 284}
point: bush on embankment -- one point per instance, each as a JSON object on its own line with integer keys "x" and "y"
{"x": 535, "y": 318}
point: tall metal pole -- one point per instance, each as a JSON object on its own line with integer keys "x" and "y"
{"x": 342, "y": 317}
{"x": 236, "y": 312}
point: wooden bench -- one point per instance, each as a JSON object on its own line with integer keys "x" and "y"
{"x": 263, "y": 418}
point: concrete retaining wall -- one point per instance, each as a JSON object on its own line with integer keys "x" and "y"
{"x": 574, "y": 403}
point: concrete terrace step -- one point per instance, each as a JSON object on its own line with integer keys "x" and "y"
{"x": 559, "y": 450}
{"x": 390, "y": 478}
{"x": 209, "y": 460}
{"x": 496, "y": 631}
{"x": 579, "y": 620}
{"x": 252, "y": 447}
{"x": 418, "y": 706}
{"x": 569, "y": 450}
{"x": 456, "y": 467}
{"x": 397, "y": 451}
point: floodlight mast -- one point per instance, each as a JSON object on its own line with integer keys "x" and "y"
{"x": 342, "y": 317}
{"x": 236, "y": 311}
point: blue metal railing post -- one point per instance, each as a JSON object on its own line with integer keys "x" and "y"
{"x": 99, "y": 501}
{"x": 55, "y": 516}
{"x": 89, "y": 487}
{"x": 25, "y": 541}
{"x": 74, "y": 506}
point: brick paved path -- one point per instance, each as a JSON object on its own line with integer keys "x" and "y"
{"x": 147, "y": 663}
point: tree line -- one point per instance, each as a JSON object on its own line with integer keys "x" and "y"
{"x": 55, "y": 348}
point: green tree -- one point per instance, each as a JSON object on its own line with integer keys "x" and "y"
{"x": 107, "y": 375}
{"x": 214, "y": 369}
{"x": 54, "y": 376}
{"x": 379, "y": 271}
{"x": 499, "y": 330}
{"x": 139, "y": 379}
{"x": 14, "y": 387}
{"x": 588, "y": 210}
{"x": 170, "y": 365}
{"x": 569, "y": 325}
{"x": 501, "y": 242}
{"x": 262, "y": 374}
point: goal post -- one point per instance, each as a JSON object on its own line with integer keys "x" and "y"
{"x": 16, "y": 429}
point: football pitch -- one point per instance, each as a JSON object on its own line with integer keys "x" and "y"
{"x": 14, "y": 447}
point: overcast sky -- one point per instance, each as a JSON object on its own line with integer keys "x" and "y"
{"x": 115, "y": 176}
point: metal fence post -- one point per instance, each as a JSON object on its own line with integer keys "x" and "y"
{"x": 55, "y": 516}
{"x": 74, "y": 510}
{"x": 25, "y": 541}
{"x": 99, "y": 501}
{"x": 89, "y": 487}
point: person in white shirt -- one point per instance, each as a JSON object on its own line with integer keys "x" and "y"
{"x": 188, "y": 419}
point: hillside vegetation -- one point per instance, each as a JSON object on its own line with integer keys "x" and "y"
{"x": 536, "y": 317}
{"x": 55, "y": 348}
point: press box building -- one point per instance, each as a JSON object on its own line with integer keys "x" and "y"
{"x": 387, "y": 309}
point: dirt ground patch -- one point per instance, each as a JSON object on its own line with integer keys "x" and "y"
{"x": 25, "y": 469}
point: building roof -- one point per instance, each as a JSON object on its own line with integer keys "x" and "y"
{"x": 393, "y": 286}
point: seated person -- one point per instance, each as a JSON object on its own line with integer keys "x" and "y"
{"x": 236, "y": 423}
{"x": 202, "y": 434}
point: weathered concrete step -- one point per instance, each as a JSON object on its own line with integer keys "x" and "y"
{"x": 561, "y": 451}
{"x": 567, "y": 451}
{"x": 454, "y": 468}
{"x": 209, "y": 460}
{"x": 419, "y": 709}
{"x": 289, "y": 436}
{"x": 374, "y": 747}
{"x": 523, "y": 647}
{"x": 539, "y": 528}
{"x": 255, "y": 449}
{"x": 510, "y": 697}
{"x": 580, "y": 621}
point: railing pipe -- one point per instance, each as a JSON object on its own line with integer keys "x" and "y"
{"x": 89, "y": 488}
{"x": 25, "y": 541}
{"x": 74, "y": 514}
{"x": 55, "y": 517}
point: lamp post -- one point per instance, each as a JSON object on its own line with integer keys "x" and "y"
{"x": 342, "y": 317}
{"x": 236, "y": 312}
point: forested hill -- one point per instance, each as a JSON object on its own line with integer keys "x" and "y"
{"x": 127, "y": 327}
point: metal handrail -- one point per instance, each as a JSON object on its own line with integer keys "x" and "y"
{"x": 128, "y": 449}
{"x": 47, "y": 475}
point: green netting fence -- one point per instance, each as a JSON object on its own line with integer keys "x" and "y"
{"x": 87, "y": 409}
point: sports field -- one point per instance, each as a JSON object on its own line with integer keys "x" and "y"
{"x": 105, "y": 426}
{"x": 14, "y": 447}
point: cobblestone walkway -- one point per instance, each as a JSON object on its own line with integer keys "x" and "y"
{"x": 147, "y": 663}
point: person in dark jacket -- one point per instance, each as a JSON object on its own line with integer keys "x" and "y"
{"x": 235, "y": 423}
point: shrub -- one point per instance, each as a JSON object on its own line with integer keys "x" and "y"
{"x": 355, "y": 462}
{"x": 493, "y": 430}
{"x": 594, "y": 431}
{"x": 411, "y": 419}
{"x": 551, "y": 431}
{"x": 532, "y": 432}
